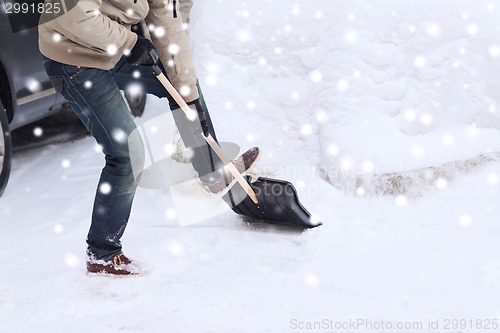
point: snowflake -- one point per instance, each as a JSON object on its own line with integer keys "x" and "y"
{"x": 494, "y": 51}
{"x": 472, "y": 29}
{"x": 306, "y": 129}
{"x": 417, "y": 151}
{"x": 175, "y": 248}
{"x": 33, "y": 85}
{"x": 410, "y": 116}
{"x": 119, "y": 135}
{"x": 185, "y": 91}
{"x": 37, "y": 131}
{"x": 58, "y": 228}
{"x": 448, "y": 139}
{"x": 112, "y": 49}
{"x": 420, "y": 61}
{"x": 159, "y": 32}
{"x": 71, "y": 260}
{"x": 465, "y": 220}
{"x": 66, "y": 164}
{"x": 211, "y": 80}
{"x": 342, "y": 85}
{"x": 493, "y": 178}
{"x": 441, "y": 183}
{"x": 311, "y": 280}
{"x": 433, "y": 30}
{"x": 105, "y": 188}
{"x": 368, "y": 166}
{"x": 426, "y": 119}
{"x": 170, "y": 214}
{"x": 332, "y": 150}
{"x": 56, "y": 37}
{"x": 250, "y": 105}
{"x": 351, "y": 36}
{"x": 401, "y": 200}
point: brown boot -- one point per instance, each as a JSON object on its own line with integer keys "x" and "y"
{"x": 120, "y": 265}
{"x": 244, "y": 163}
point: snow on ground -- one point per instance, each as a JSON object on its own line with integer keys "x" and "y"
{"x": 315, "y": 85}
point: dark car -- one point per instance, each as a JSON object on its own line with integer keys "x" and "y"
{"x": 26, "y": 94}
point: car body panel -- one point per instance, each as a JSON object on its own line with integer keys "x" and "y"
{"x": 31, "y": 94}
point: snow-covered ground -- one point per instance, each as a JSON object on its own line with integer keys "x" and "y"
{"x": 349, "y": 100}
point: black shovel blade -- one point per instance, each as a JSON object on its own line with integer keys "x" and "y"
{"x": 278, "y": 203}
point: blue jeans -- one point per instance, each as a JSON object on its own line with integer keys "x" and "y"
{"x": 94, "y": 95}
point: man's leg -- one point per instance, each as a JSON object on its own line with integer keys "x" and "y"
{"x": 96, "y": 99}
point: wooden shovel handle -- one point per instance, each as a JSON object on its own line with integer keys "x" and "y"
{"x": 210, "y": 140}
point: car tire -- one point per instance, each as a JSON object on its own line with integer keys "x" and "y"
{"x": 136, "y": 103}
{"x": 5, "y": 149}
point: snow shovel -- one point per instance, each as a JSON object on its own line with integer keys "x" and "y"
{"x": 278, "y": 203}
{"x": 268, "y": 200}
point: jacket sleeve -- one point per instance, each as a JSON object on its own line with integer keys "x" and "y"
{"x": 90, "y": 28}
{"x": 172, "y": 44}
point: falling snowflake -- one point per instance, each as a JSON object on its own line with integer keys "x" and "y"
{"x": 433, "y": 30}
{"x": 316, "y": 76}
{"x": 465, "y": 220}
{"x": 58, "y": 228}
{"x": 368, "y": 166}
{"x": 342, "y": 85}
{"x": 33, "y": 85}
{"x": 56, "y": 37}
{"x": 401, "y": 200}
{"x": 66, "y": 164}
{"x": 410, "y": 115}
{"x": 119, "y": 135}
{"x": 211, "y": 80}
{"x": 185, "y": 91}
{"x": 494, "y": 51}
{"x": 306, "y": 129}
{"x": 71, "y": 260}
{"x": 311, "y": 280}
{"x": 333, "y": 150}
{"x": 175, "y": 248}
{"x": 448, "y": 139}
{"x": 441, "y": 183}
{"x": 351, "y": 36}
{"x": 417, "y": 151}
{"x": 426, "y": 119}
{"x": 170, "y": 214}
{"x": 105, "y": 188}
{"x": 112, "y": 49}
{"x": 37, "y": 131}
{"x": 420, "y": 61}
{"x": 472, "y": 29}
{"x": 493, "y": 178}
{"x": 173, "y": 49}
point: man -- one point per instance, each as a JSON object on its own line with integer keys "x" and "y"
{"x": 90, "y": 53}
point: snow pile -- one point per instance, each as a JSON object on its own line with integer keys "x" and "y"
{"x": 375, "y": 91}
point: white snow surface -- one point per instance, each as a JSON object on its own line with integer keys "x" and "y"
{"x": 326, "y": 88}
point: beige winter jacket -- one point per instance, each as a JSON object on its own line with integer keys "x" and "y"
{"x": 96, "y": 33}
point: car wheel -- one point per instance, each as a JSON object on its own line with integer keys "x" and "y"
{"x": 136, "y": 101}
{"x": 5, "y": 149}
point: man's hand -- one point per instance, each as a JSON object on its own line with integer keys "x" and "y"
{"x": 141, "y": 53}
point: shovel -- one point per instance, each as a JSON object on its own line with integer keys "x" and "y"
{"x": 266, "y": 199}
